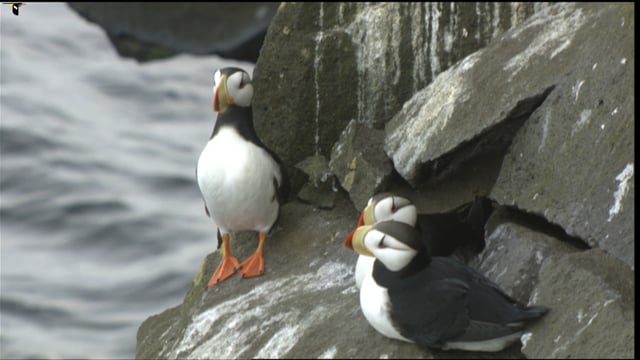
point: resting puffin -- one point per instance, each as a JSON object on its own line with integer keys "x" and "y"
{"x": 243, "y": 182}
{"x": 436, "y": 302}
{"x": 461, "y": 229}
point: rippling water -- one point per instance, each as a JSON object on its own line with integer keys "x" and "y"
{"x": 102, "y": 224}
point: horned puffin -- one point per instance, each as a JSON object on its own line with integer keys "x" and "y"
{"x": 461, "y": 229}
{"x": 243, "y": 183}
{"x": 437, "y": 302}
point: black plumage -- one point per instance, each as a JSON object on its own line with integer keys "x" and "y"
{"x": 449, "y": 301}
{"x": 435, "y": 301}
{"x": 461, "y": 229}
{"x": 243, "y": 182}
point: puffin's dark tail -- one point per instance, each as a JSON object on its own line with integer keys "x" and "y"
{"x": 537, "y": 311}
{"x": 531, "y": 313}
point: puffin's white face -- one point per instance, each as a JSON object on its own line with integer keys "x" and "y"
{"x": 385, "y": 207}
{"x": 394, "y": 254}
{"x": 234, "y": 88}
{"x": 391, "y": 207}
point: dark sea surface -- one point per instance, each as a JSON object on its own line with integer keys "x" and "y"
{"x": 101, "y": 221}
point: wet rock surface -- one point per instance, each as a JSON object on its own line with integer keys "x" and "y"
{"x": 538, "y": 117}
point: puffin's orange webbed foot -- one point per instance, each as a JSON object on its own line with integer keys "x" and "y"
{"x": 227, "y": 267}
{"x": 253, "y": 266}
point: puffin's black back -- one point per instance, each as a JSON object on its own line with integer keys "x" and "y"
{"x": 449, "y": 301}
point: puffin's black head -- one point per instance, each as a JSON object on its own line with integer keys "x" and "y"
{"x": 384, "y": 207}
{"x": 231, "y": 86}
{"x": 394, "y": 243}
{"x": 387, "y": 206}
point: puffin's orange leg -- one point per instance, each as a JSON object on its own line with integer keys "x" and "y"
{"x": 228, "y": 265}
{"x": 254, "y": 265}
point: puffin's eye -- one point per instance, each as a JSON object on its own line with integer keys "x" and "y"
{"x": 244, "y": 79}
{"x": 381, "y": 244}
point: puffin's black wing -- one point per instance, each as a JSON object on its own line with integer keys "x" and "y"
{"x": 282, "y": 188}
{"x": 486, "y": 300}
{"x": 449, "y": 301}
{"x": 432, "y": 313}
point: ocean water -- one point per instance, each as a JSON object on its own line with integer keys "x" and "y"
{"x": 101, "y": 221}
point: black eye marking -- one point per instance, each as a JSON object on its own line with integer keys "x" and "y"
{"x": 393, "y": 205}
{"x": 243, "y": 81}
{"x": 381, "y": 244}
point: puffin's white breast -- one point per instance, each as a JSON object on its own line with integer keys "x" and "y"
{"x": 235, "y": 177}
{"x": 375, "y": 305}
{"x": 364, "y": 267}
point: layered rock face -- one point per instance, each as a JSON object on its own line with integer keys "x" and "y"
{"x": 529, "y": 105}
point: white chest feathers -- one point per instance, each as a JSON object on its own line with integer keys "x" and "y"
{"x": 364, "y": 267}
{"x": 236, "y": 178}
{"x": 375, "y": 305}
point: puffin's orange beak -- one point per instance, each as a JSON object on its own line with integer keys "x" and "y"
{"x": 216, "y": 102}
{"x": 361, "y": 219}
{"x": 347, "y": 240}
{"x": 355, "y": 240}
{"x": 221, "y": 98}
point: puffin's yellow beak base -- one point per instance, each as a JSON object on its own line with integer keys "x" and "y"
{"x": 368, "y": 215}
{"x": 221, "y": 99}
{"x": 357, "y": 241}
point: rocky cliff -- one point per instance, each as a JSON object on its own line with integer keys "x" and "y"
{"x": 529, "y": 105}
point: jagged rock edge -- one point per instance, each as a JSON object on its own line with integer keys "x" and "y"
{"x": 433, "y": 172}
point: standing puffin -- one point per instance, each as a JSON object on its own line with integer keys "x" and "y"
{"x": 436, "y": 302}
{"x": 243, "y": 182}
{"x": 461, "y": 229}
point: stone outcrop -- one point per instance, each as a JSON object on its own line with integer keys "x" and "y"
{"x": 359, "y": 163}
{"x": 592, "y": 297}
{"x": 323, "y": 64}
{"x": 514, "y": 253}
{"x": 572, "y": 161}
{"x": 151, "y": 30}
{"x": 533, "y": 110}
{"x": 321, "y": 186}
